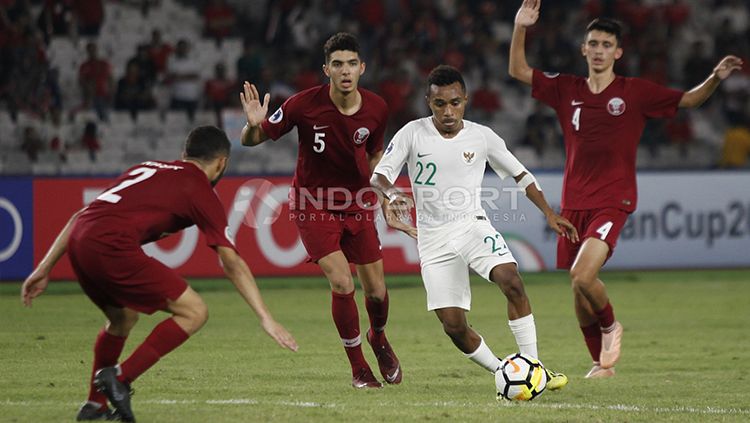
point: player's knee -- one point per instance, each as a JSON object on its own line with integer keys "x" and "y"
{"x": 580, "y": 278}
{"x": 341, "y": 283}
{"x": 375, "y": 293}
{"x": 511, "y": 285}
{"x": 455, "y": 329}
{"x": 121, "y": 324}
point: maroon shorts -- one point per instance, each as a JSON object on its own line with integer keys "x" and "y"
{"x": 324, "y": 232}
{"x": 604, "y": 224}
{"x": 124, "y": 278}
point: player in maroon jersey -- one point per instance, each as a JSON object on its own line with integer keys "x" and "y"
{"x": 103, "y": 242}
{"x": 602, "y": 117}
{"x": 341, "y": 131}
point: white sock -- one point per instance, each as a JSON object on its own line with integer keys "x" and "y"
{"x": 524, "y": 331}
{"x": 485, "y": 357}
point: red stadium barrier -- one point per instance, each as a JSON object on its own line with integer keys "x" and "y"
{"x": 272, "y": 248}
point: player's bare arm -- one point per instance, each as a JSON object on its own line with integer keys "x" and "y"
{"x": 237, "y": 271}
{"x": 396, "y": 205}
{"x": 700, "y": 93}
{"x": 559, "y": 224}
{"x": 36, "y": 283}
{"x": 526, "y": 16}
{"x": 255, "y": 112}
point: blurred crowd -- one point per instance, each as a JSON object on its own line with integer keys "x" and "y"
{"x": 671, "y": 42}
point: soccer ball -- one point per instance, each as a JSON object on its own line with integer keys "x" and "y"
{"x": 521, "y": 378}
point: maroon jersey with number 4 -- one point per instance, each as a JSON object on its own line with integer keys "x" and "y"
{"x": 601, "y": 133}
{"x": 149, "y": 201}
{"x": 332, "y": 165}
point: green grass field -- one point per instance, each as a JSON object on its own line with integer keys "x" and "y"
{"x": 686, "y": 343}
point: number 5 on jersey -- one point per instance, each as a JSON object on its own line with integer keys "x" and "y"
{"x": 320, "y": 143}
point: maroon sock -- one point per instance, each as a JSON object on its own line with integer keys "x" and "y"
{"x": 107, "y": 349}
{"x": 165, "y": 337}
{"x": 592, "y": 334}
{"x": 346, "y": 318}
{"x": 606, "y": 316}
{"x": 378, "y": 314}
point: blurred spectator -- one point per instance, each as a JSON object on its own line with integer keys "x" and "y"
{"x": 183, "y": 73}
{"x": 57, "y": 18}
{"x": 697, "y": 66}
{"x": 541, "y": 130}
{"x": 54, "y": 134}
{"x": 250, "y": 64}
{"x": 26, "y": 89}
{"x": 159, "y": 51}
{"x": 736, "y": 149}
{"x": 90, "y": 140}
{"x": 89, "y": 16}
{"x": 485, "y": 100}
{"x": 219, "y": 90}
{"x": 219, "y": 20}
{"x": 133, "y": 92}
{"x": 95, "y": 80}
{"x": 146, "y": 66}
{"x": 31, "y": 143}
{"x": 396, "y": 90}
{"x": 679, "y": 131}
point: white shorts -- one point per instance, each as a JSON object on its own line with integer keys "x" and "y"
{"x": 445, "y": 271}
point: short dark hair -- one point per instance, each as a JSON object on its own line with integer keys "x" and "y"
{"x": 443, "y": 75}
{"x": 610, "y": 26}
{"x": 340, "y": 41}
{"x": 206, "y": 143}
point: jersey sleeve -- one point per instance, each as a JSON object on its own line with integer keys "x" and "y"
{"x": 395, "y": 155}
{"x": 210, "y": 217}
{"x": 545, "y": 87}
{"x": 282, "y": 120}
{"x": 375, "y": 142}
{"x": 657, "y": 101}
{"x": 501, "y": 160}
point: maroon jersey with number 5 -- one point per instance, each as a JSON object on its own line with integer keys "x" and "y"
{"x": 601, "y": 133}
{"x": 332, "y": 165}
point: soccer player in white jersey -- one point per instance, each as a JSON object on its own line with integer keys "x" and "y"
{"x": 446, "y": 157}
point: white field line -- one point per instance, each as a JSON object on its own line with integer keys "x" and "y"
{"x": 626, "y": 408}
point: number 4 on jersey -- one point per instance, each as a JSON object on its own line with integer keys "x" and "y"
{"x": 576, "y": 121}
{"x": 603, "y": 230}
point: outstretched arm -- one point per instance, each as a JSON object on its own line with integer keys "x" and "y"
{"x": 255, "y": 111}
{"x": 559, "y": 224}
{"x": 526, "y": 16}
{"x": 396, "y": 205}
{"x": 237, "y": 271}
{"x": 36, "y": 283}
{"x": 700, "y": 93}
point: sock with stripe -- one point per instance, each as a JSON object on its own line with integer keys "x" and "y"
{"x": 377, "y": 311}
{"x": 592, "y": 334}
{"x": 524, "y": 330}
{"x": 484, "y": 357}
{"x": 346, "y": 318}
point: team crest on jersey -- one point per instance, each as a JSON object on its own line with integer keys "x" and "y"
{"x": 469, "y": 157}
{"x": 551, "y": 75}
{"x": 616, "y": 106}
{"x": 361, "y": 135}
{"x": 276, "y": 116}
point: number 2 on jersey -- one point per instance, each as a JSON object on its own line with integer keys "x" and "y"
{"x": 576, "y": 121}
{"x": 141, "y": 174}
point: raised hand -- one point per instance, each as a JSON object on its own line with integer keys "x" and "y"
{"x": 726, "y": 66}
{"x": 528, "y": 13}
{"x": 255, "y": 111}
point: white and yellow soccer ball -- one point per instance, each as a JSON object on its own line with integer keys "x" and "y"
{"x": 520, "y": 378}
